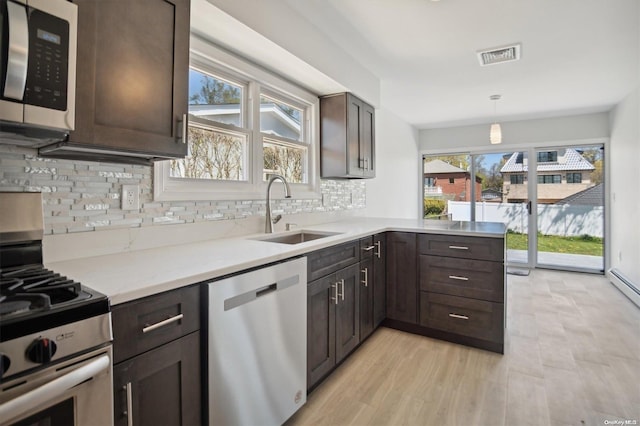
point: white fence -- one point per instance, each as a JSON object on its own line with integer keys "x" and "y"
{"x": 553, "y": 219}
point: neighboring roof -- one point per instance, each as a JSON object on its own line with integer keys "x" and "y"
{"x": 439, "y": 166}
{"x": 592, "y": 196}
{"x": 571, "y": 160}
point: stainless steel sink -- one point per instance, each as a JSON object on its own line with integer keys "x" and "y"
{"x": 296, "y": 237}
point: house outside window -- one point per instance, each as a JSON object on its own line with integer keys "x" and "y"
{"x": 430, "y": 182}
{"x": 547, "y": 156}
{"x": 517, "y": 179}
{"x": 549, "y": 178}
{"x": 574, "y": 177}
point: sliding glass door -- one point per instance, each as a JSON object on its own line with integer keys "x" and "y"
{"x": 550, "y": 199}
{"x": 570, "y": 208}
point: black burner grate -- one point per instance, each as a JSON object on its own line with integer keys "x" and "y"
{"x": 28, "y": 288}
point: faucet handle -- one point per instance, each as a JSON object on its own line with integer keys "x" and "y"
{"x": 276, "y": 219}
{"x": 289, "y": 225}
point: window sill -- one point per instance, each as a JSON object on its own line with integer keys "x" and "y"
{"x": 168, "y": 189}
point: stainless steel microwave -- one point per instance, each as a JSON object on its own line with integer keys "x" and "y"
{"x": 38, "y": 75}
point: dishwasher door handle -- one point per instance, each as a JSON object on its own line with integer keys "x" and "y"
{"x": 251, "y": 295}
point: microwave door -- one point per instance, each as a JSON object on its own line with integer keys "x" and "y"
{"x": 14, "y": 72}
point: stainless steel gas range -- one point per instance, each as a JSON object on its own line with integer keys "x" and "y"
{"x": 55, "y": 333}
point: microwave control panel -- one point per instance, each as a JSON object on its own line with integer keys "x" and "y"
{"x": 48, "y": 70}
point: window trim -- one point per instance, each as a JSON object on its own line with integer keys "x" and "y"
{"x": 206, "y": 56}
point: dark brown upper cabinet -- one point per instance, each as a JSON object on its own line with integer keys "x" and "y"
{"x": 132, "y": 82}
{"x": 347, "y": 137}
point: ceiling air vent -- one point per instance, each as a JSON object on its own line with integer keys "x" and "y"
{"x": 499, "y": 55}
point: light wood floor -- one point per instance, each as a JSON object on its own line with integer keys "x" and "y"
{"x": 572, "y": 357}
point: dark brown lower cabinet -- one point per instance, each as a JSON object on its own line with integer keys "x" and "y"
{"x": 161, "y": 386}
{"x": 402, "y": 279}
{"x": 333, "y": 321}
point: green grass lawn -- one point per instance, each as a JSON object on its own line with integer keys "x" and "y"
{"x": 551, "y": 243}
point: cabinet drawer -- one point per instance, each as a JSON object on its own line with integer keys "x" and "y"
{"x": 462, "y": 247}
{"x": 327, "y": 261}
{"x": 144, "y": 324}
{"x": 459, "y": 315}
{"x": 367, "y": 248}
{"x": 477, "y": 279}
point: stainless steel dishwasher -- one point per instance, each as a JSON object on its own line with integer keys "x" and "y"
{"x": 258, "y": 345}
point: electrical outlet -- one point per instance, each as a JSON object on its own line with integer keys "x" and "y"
{"x": 130, "y": 197}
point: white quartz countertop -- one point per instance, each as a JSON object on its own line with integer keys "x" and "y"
{"x": 134, "y": 274}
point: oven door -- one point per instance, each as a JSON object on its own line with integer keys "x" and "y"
{"x": 75, "y": 392}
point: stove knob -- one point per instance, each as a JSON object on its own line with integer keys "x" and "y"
{"x": 41, "y": 350}
{"x": 5, "y": 362}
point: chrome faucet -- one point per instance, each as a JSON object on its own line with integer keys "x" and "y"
{"x": 268, "y": 226}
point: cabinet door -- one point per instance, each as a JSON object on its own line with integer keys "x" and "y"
{"x": 366, "y": 297}
{"x": 379, "y": 279}
{"x": 321, "y": 337}
{"x": 355, "y": 166}
{"x": 402, "y": 283}
{"x": 367, "y": 144}
{"x": 132, "y": 75}
{"x": 163, "y": 385}
{"x": 347, "y": 311}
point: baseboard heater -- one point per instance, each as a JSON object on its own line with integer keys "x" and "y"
{"x": 625, "y": 285}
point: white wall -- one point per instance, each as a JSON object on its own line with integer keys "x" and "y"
{"x": 280, "y": 24}
{"x": 394, "y": 191}
{"x": 577, "y": 128}
{"x": 624, "y": 196}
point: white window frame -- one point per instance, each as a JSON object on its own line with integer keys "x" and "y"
{"x": 255, "y": 80}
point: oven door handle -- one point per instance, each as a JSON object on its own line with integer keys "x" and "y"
{"x": 41, "y": 395}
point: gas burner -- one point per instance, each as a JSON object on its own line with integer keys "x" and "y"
{"x": 23, "y": 303}
{"x": 14, "y": 307}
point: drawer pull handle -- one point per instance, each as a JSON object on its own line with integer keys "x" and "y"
{"x": 464, "y": 317}
{"x": 365, "y": 271}
{"x": 342, "y": 285}
{"x": 458, "y": 248}
{"x": 129, "y": 411}
{"x": 379, "y": 249}
{"x": 335, "y": 293}
{"x": 455, "y": 277}
{"x": 168, "y": 321}
{"x": 369, "y": 248}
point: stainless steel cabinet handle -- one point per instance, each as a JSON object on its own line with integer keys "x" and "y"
{"x": 464, "y": 317}
{"x": 366, "y": 164}
{"x": 341, "y": 282}
{"x": 458, "y": 248}
{"x": 335, "y": 293}
{"x": 378, "y": 251}
{"x": 183, "y": 129}
{"x": 365, "y": 271}
{"x": 455, "y": 277}
{"x": 369, "y": 248}
{"x": 129, "y": 411}
{"x": 168, "y": 321}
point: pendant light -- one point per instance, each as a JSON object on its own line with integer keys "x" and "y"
{"x": 495, "y": 134}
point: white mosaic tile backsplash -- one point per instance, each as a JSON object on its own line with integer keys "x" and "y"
{"x": 81, "y": 196}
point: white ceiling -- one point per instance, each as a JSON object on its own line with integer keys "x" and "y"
{"x": 578, "y": 56}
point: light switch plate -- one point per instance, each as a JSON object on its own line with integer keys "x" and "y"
{"x": 130, "y": 197}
